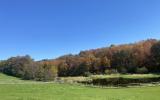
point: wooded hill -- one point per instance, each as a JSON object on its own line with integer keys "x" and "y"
{"x": 140, "y": 57}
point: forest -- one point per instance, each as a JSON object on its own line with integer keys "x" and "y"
{"x": 135, "y": 58}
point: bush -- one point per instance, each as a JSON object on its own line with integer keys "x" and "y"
{"x": 122, "y": 70}
{"x": 111, "y": 71}
{"x": 142, "y": 70}
{"x": 120, "y": 81}
{"x": 87, "y": 74}
{"x": 108, "y": 71}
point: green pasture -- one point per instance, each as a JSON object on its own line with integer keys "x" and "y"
{"x": 12, "y": 88}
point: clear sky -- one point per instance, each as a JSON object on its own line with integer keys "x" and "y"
{"x": 50, "y": 28}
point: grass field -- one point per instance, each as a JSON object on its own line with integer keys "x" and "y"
{"x": 15, "y": 89}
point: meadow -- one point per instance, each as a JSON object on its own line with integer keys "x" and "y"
{"x": 12, "y": 88}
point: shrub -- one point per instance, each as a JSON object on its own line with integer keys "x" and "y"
{"x": 111, "y": 71}
{"x": 108, "y": 71}
{"x": 122, "y": 70}
{"x": 87, "y": 74}
{"x": 142, "y": 70}
{"x": 120, "y": 81}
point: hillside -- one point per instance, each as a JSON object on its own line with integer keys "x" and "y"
{"x": 140, "y": 57}
{"x": 135, "y": 58}
{"x": 5, "y": 79}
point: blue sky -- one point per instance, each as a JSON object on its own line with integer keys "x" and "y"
{"x": 50, "y": 28}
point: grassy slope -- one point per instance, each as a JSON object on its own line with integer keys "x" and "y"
{"x": 53, "y": 91}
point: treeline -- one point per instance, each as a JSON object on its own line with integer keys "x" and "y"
{"x": 26, "y": 68}
{"x": 141, "y": 57}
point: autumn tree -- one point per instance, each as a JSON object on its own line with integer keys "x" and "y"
{"x": 155, "y": 51}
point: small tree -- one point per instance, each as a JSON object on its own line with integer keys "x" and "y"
{"x": 46, "y": 72}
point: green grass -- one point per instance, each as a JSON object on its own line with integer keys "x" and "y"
{"x": 5, "y": 79}
{"x": 30, "y": 90}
